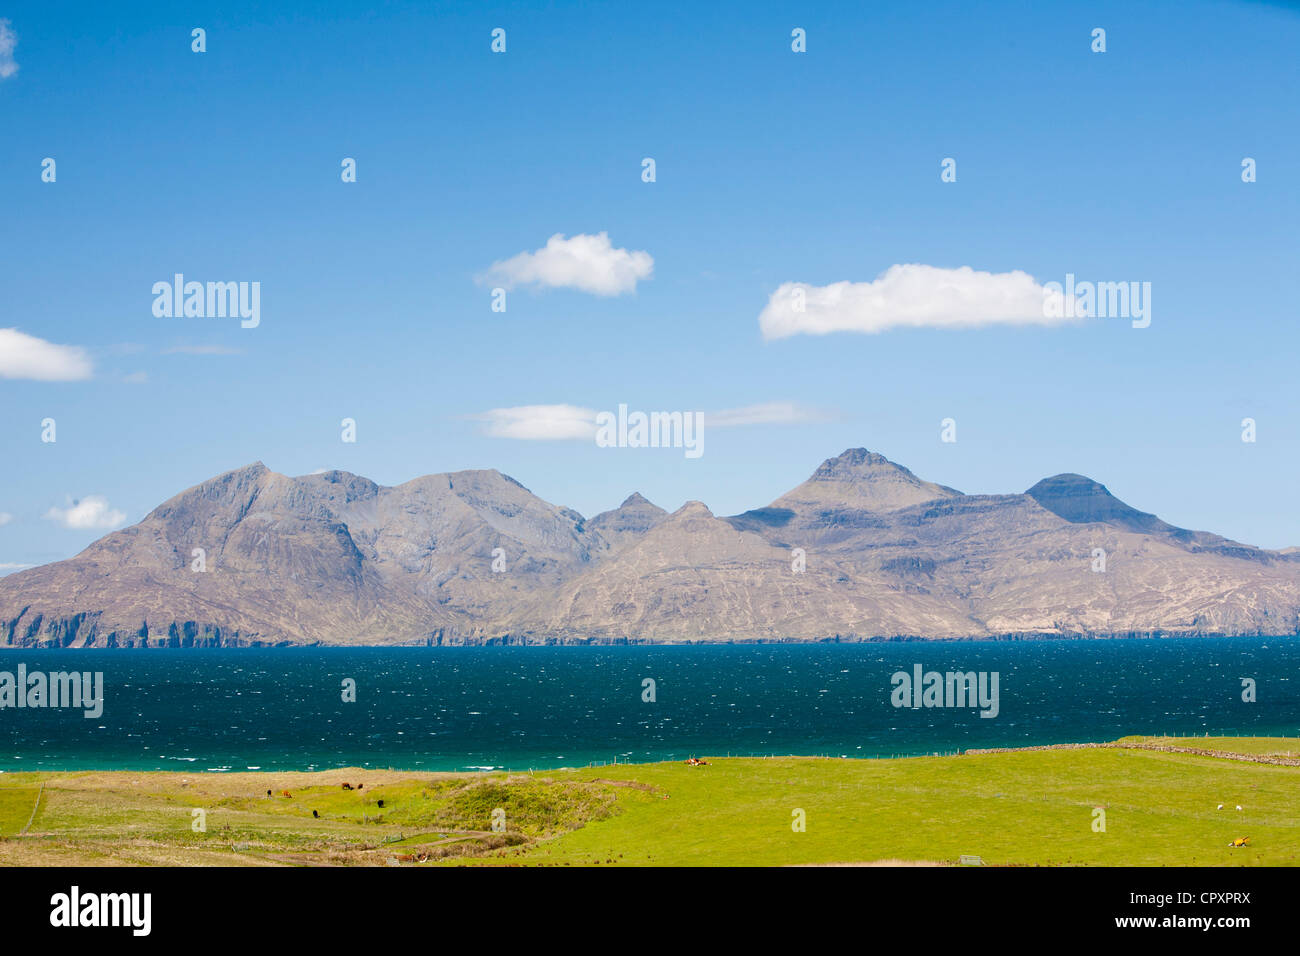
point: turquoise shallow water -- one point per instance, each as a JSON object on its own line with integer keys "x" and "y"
{"x": 516, "y": 707}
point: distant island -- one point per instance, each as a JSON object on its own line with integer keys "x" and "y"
{"x": 862, "y": 550}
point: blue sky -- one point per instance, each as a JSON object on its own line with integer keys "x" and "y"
{"x": 772, "y": 167}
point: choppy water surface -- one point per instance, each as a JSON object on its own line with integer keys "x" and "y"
{"x": 514, "y": 707}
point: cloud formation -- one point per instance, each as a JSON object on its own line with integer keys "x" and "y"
{"x": 560, "y": 422}
{"x": 540, "y": 422}
{"x": 768, "y": 413}
{"x": 584, "y": 262}
{"x": 202, "y": 350}
{"x": 910, "y": 296}
{"x": 5, "y": 517}
{"x": 8, "y": 41}
{"x": 90, "y": 513}
{"x": 26, "y": 356}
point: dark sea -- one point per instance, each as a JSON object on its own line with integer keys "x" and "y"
{"x": 479, "y": 708}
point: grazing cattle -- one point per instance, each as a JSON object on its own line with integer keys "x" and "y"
{"x": 347, "y": 786}
{"x": 268, "y": 793}
{"x": 315, "y": 814}
{"x": 381, "y": 804}
{"x": 286, "y": 793}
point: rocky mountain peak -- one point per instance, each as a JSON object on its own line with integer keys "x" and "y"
{"x": 862, "y": 480}
{"x": 1080, "y": 500}
{"x": 334, "y": 558}
{"x": 852, "y": 463}
{"x": 633, "y": 518}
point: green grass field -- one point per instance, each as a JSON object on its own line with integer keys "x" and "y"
{"x": 1274, "y": 746}
{"x": 1031, "y": 807}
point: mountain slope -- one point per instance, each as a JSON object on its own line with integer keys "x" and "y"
{"x": 1081, "y": 500}
{"x": 628, "y": 522}
{"x": 863, "y": 549}
{"x": 248, "y": 556}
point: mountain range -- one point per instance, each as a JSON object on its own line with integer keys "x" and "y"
{"x": 862, "y": 550}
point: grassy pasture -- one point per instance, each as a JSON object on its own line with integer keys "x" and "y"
{"x": 1030, "y": 807}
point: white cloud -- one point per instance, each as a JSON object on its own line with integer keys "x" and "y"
{"x": 90, "y": 513}
{"x": 5, "y": 517}
{"x": 8, "y": 567}
{"x": 912, "y": 296}
{"x": 26, "y": 356}
{"x": 559, "y": 422}
{"x": 202, "y": 350}
{"x": 136, "y": 378}
{"x": 540, "y": 422}
{"x": 8, "y": 40}
{"x": 768, "y": 413}
{"x": 588, "y": 263}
